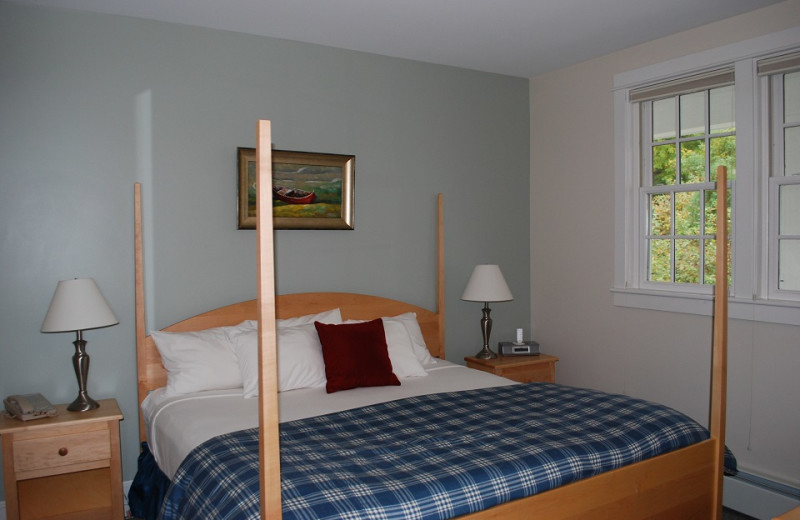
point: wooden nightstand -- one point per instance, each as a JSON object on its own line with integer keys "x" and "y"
{"x": 524, "y": 369}
{"x": 65, "y": 467}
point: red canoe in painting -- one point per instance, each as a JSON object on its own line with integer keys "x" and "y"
{"x": 293, "y": 195}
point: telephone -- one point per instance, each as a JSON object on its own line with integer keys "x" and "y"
{"x": 29, "y": 406}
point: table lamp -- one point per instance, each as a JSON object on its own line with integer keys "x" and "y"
{"x": 486, "y": 285}
{"x": 78, "y": 305}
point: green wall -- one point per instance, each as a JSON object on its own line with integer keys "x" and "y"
{"x": 90, "y": 104}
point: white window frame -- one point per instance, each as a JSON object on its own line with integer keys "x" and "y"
{"x": 778, "y": 179}
{"x": 750, "y": 297}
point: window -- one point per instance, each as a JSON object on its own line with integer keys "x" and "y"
{"x": 675, "y": 123}
{"x": 685, "y": 137}
{"x": 785, "y": 179}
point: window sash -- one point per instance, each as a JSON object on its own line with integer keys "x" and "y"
{"x": 778, "y": 177}
{"x": 701, "y": 236}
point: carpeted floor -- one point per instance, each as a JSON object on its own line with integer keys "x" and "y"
{"x": 730, "y": 514}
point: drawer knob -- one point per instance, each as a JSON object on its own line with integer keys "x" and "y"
{"x": 63, "y": 451}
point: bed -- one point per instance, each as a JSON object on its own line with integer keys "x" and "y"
{"x": 682, "y": 481}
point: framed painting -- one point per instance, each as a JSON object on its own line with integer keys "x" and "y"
{"x": 309, "y": 190}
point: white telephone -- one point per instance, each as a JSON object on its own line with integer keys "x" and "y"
{"x": 29, "y": 406}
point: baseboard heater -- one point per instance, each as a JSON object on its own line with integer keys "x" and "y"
{"x": 759, "y": 497}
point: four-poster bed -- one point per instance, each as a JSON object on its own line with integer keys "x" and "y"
{"x": 683, "y": 483}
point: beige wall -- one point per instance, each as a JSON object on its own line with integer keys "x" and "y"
{"x": 655, "y": 355}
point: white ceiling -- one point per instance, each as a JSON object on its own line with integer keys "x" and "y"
{"x": 513, "y": 37}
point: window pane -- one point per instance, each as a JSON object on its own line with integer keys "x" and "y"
{"x": 722, "y": 110}
{"x": 693, "y": 120}
{"x": 710, "y": 264}
{"x": 687, "y": 261}
{"x": 789, "y": 223}
{"x": 687, "y": 213}
{"x": 723, "y": 153}
{"x": 710, "y": 211}
{"x": 730, "y": 253}
{"x": 664, "y": 165}
{"x": 660, "y": 260}
{"x": 789, "y": 265}
{"x": 791, "y": 98}
{"x": 791, "y": 151}
{"x": 664, "y": 119}
{"x": 660, "y": 214}
{"x": 693, "y": 161}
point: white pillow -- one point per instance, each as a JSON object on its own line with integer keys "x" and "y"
{"x": 199, "y": 360}
{"x": 332, "y": 316}
{"x": 401, "y": 346}
{"x": 300, "y": 362}
{"x": 401, "y": 351}
{"x": 409, "y": 321}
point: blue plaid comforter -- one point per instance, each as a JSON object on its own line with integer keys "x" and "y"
{"x": 430, "y": 457}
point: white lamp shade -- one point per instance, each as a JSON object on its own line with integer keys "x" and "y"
{"x": 78, "y": 305}
{"x": 487, "y": 285}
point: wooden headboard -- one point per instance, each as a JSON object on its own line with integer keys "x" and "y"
{"x": 152, "y": 374}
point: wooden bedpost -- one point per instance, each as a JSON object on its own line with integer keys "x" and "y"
{"x": 719, "y": 367}
{"x": 139, "y": 300}
{"x": 269, "y": 448}
{"x": 440, "y": 296}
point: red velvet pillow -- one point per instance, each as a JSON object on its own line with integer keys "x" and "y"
{"x": 355, "y": 355}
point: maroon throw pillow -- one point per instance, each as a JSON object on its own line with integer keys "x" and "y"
{"x": 355, "y": 355}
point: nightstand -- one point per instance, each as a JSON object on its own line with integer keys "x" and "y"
{"x": 66, "y": 467}
{"x": 525, "y": 369}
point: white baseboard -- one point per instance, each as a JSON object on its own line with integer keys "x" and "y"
{"x": 759, "y": 501}
{"x": 125, "y": 487}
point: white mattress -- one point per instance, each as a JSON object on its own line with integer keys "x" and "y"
{"x": 175, "y": 425}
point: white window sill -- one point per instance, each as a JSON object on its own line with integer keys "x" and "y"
{"x": 767, "y": 311}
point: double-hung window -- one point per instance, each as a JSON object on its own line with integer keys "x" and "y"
{"x": 675, "y": 123}
{"x": 782, "y": 79}
{"x": 687, "y": 131}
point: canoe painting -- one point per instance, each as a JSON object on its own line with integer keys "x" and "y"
{"x": 309, "y": 190}
{"x": 303, "y": 190}
{"x": 293, "y": 195}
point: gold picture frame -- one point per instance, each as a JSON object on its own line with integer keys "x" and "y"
{"x": 310, "y": 190}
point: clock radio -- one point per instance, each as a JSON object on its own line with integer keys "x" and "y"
{"x": 523, "y": 348}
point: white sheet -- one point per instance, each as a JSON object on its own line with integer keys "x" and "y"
{"x": 175, "y": 425}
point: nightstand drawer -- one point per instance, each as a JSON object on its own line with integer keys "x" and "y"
{"x": 86, "y": 448}
{"x": 529, "y": 374}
